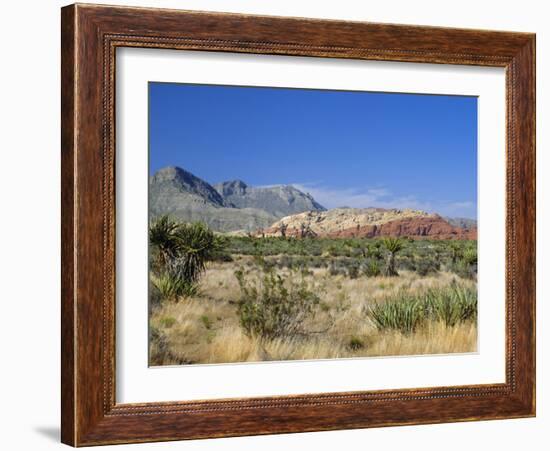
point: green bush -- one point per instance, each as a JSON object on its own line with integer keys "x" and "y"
{"x": 272, "y": 306}
{"x": 426, "y": 266}
{"x": 372, "y": 269}
{"x": 353, "y": 269}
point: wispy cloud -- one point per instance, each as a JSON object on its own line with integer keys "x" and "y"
{"x": 382, "y": 197}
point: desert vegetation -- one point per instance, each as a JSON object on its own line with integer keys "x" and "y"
{"x": 216, "y": 298}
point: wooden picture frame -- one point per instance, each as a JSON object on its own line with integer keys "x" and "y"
{"x": 90, "y": 36}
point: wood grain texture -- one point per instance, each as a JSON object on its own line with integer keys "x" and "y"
{"x": 90, "y": 36}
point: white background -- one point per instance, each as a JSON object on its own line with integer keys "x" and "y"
{"x": 30, "y": 226}
{"x": 138, "y": 383}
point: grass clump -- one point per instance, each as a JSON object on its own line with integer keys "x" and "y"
{"x": 355, "y": 343}
{"x": 167, "y": 321}
{"x": 206, "y": 322}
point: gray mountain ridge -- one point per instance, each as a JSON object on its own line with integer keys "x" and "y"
{"x": 279, "y": 200}
{"x": 463, "y": 223}
{"x": 227, "y": 206}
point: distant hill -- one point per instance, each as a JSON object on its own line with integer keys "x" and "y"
{"x": 229, "y": 206}
{"x": 369, "y": 222}
{"x": 463, "y": 223}
{"x": 282, "y": 200}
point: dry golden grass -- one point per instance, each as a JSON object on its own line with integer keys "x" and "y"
{"x": 205, "y": 329}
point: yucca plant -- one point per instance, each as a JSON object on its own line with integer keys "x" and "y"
{"x": 197, "y": 244}
{"x": 171, "y": 287}
{"x": 451, "y": 305}
{"x": 393, "y": 246}
{"x": 405, "y": 312}
{"x": 162, "y": 237}
{"x": 182, "y": 251}
{"x": 404, "y": 315}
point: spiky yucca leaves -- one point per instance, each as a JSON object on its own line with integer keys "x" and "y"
{"x": 405, "y": 312}
{"x": 403, "y": 315}
{"x": 451, "y": 305}
{"x": 162, "y": 237}
{"x": 197, "y": 244}
{"x": 171, "y": 287}
{"x": 182, "y": 251}
{"x": 393, "y": 246}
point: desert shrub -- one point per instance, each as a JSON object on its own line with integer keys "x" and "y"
{"x": 222, "y": 257}
{"x": 424, "y": 267}
{"x": 353, "y": 269}
{"x": 372, "y": 268}
{"x": 466, "y": 266}
{"x": 335, "y": 269}
{"x": 463, "y": 270}
{"x": 158, "y": 347}
{"x": 274, "y": 306}
{"x": 455, "y": 250}
{"x": 160, "y": 352}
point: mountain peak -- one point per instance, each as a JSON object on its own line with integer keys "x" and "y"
{"x": 174, "y": 190}
{"x": 231, "y": 187}
{"x": 178, "y": 179}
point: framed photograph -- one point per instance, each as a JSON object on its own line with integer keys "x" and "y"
{"x": 279, "y": 225}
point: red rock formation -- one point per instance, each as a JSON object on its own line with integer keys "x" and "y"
{"x": 433, "y": 227}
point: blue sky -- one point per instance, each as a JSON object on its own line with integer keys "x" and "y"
{"x": 355, "y": 149}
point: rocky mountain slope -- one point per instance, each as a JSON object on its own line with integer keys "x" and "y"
{"x": 279, "y": 200}
{"x": 369, "y": 222}
{"x": 227, "y": 206}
